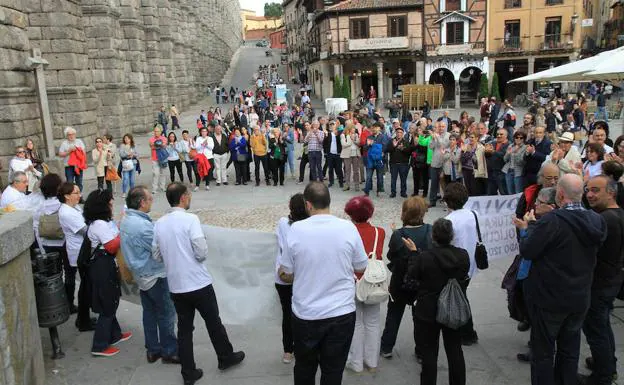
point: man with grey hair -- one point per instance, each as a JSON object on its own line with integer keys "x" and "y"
{"x": 439, "y": 145}
{"x": 137, "y": 234}
{"x": 314, "y": 139}
{"x": 608, "y": 276}
{"x": 562, "y": 246}
{"x": 15, "y": 193}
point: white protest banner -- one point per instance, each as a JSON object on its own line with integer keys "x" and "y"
{"x": 495, "y": 214}
{"x": 242, "y": 264}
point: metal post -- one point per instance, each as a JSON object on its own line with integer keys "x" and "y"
{"x": 37, "y": 63}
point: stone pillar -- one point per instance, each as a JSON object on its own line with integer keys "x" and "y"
{"x": 491, "y": 70}
{"x": 380, "y": 83}
{"x": 419, "y": 72}
{"x": 337, "y": 70}
{"x": 531, "y": 71}
{"x": 457, "y": 95}
{"x": 21, "y": 356}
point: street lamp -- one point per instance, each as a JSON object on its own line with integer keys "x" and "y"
{"x": 511, "y": 68}
{"x": 328, "y": 35}
{"x": 551, "y": 65}
{"x": 400, "y": 71}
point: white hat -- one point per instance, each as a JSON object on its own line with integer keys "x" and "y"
{"x": 567, "y": 137}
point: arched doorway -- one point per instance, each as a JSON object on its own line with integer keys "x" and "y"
{"x": 445, "y": 77}
{"x": 469, "y": 83}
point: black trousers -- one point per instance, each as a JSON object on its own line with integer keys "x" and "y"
{"x": 258, "y": 160}
{"x": 420, "y": 176}
{"x": 101, "y": 180}
{"x": 285, "y": 296}
{"x": 208, "y": 177}
{"x": 481, "y": 186}
{"x": 467, "y": 331}
{"x": 334, "y": 164}
{"x": 84, "y": 297}
{"x": 429, "y": 343}
{"x": 323, "y": 343}
{"x": 396, "y": 309}
{"x": 277, "y": 170}
{"x": 204, "y": 301}
{"x": 240, "y": 168}
{"x": 173, "y": 165}
{"x": 302, "y": 166}
{"x": 191, "y": 169}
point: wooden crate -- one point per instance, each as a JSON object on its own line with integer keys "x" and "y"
{"x": 414, "y": 95}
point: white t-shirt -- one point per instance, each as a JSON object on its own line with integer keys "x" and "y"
{"x": 72, "y": 222}
{"x": 173, "y": 236}
{"x": 323, "y": 253}
{"x": 465, "y": 234}
{"x": 49, "y": 206}
{"x": 11, "y": 196}
{"x": 101, "y": 232}
{"x": 281, "y": 231}
{"x": 205, "y": 146}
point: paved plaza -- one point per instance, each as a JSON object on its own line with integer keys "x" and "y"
{"x": 491, "y": 361}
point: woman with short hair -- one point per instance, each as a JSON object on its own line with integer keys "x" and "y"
{"x": 103, "y": 272}
{"x": 21, "y": 163}
{"x": 277, "y": 156}
{"x": 364, "y": 349}
{"x": 99, "y": 157}
{"x": 412, "y": 215}
{"x": 68, "y": 146}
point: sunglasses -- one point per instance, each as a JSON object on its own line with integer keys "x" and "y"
{"x": 21, "y": 152}
{"x": 500, "y": 134}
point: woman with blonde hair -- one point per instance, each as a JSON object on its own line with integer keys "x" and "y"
{"x": 350, "y": 155}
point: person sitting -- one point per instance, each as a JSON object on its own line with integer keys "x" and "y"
{"x": 15, "y": 193}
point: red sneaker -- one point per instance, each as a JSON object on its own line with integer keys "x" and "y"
{"x": 108, "y": 352}
{"x": 124, "y": 337}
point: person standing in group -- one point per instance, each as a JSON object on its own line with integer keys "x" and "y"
{"x": 494, "y": 154}
{"x": 175, "y": 116}
{"x": 277, "y": 156}
{"x": 323, "y": 308}
{"x": 180, "y": 242}
{"x": 158, "y": 145}
{"x": 188, "y": 154}
{"x": 163, "y": 119}
{"x": 98, "y": 155}
{"x": 289, "y": 138}
{"x": 565, "y": 155}
{"x": 69, "y": 148}
{"x": 536, "y": 151}
{"x": 439, "y": 145}
{"x": 103, "y": 273}
{"x": 434, "y": 269}
{"x": 514, "y": 164}
{"x": 238, "y": 148}
{"x": 350, "y": 154}
{"x": 562, "y": 247}
{"x": 21, "y": 163}
{"x": 332, "y": 148}
{"x": 607, "y": 282}
{"x": 221, "y": 153}
{"x": 364, "y": 349}
{"x": 314, "y": 139}
{"x": 375, "y": 146}
{"x": 298, "y": 212}
{"x": 204, "y": 144}
{"x": 400, "y": 150}
{"x": 137, "y": 234}
{"x": 111, "y": 158}
{"x": 129, "y": 159}
{"x": 259, "y": 146}
{"x": 173, "y": 160}
{"x": 421, "y": 158}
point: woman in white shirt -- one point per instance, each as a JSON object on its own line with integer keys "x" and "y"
{"x": 593, "y": 165}
{"x": 74, "y": 228}
{"x": 174, "y": 161}
{"x": 253, "y": 117}
{"x": 350, "y": 155}
{"x": 298, "y": 212}
{"x": 21, "y": 163}
{"x": 204, "y": 145}
{"x": 99, "y": 155}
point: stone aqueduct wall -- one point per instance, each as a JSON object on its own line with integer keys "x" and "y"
{"x": 112, "y": 62}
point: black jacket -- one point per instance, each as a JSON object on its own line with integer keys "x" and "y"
{"x": 608, "y": 272}
{"x": 327, "y": 144}
{"x": 535, "y": 160}
{"x": 495, "y": 160}
{"x": 222, "y": 148}
{"x": 562, "y": 245}
{"x": 433, "y": 270}
{"x": 399, "y": 155}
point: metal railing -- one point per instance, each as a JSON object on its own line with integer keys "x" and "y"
{"x": 554, "y": 41}
{"x": 475, "y": 45}
{"x": 512, "y": 44}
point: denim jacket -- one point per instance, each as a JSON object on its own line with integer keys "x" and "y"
{"x": 137, "y": 233}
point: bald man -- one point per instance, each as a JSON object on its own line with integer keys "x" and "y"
{"x": 562, "y": 246}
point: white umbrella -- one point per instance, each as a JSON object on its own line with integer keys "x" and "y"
{"x": 574, "y": 71}
{"x": 612, "y": 70}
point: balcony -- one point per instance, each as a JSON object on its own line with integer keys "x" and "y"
{"x": 475, "y": 48}
{"x": 554, "y": 42}
{"x": 512, "y": 44}
{"x": 513, "y": 3}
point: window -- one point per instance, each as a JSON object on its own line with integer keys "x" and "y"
{"x": 513, "y": 3}
{"x": 397, "y": 26}
{"x": 455, "y": 33}
{"x": 554, "y": 2}
{"x": 512, "y": 34}
{"x": 552, "y": 32}
{"x": 359, "y": 29}
{"x": 453, "y": 5}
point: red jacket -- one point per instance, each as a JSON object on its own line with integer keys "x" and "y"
{"x": 203, "y": 165}
{"x": 78, "y": 159}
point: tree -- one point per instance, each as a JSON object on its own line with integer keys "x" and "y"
{"x": 273, "y": 11}
{"x": 337, "y": 87}
{"x": 346, "y": 88}
{"x": 495, "y": 89}
{"x": 483, "y": 87}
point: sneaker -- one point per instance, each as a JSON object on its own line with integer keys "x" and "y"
{"x": 207, "y": 188}
{"x": 218, "y": 184}
{"x": 386, "y": 355}
{"x": 235, "y": 359}
{"x": 196, "y": 189}
{"x": 350, "y": 366}
{"x": 108, "y": 352}
{"x": 287, "y": 358}
{"x": 123, "y": 195}
{"x": 125, "y": 336}
{"x": 225, "y": 183}
{"x": 197, "y": 374}
{"x": 300, "y": 182}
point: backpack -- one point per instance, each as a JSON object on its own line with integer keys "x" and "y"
{"x": 373, "y": 288}
{"x": 50, "y": 226}
{"x": 453, "y": 307}
{"x": 375, "y": 155}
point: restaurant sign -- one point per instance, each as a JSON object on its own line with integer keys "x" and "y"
{"x": 378, "y": 43}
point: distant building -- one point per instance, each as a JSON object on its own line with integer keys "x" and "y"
{"x": 614, "y": 26}
{"x": 277, "y": 38}
{"x": 258, "y": 27}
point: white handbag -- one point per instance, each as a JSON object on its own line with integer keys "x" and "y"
{"x": 127, "y": 165}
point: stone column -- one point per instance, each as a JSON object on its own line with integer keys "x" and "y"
{"x": 380, "y": 83}
{"x": 337, "y": 70}
{"x": 531, "y": 71}
{"x": 457, "y": 95}
{"x": 21, "y": 357}
{"x": 491, "y": 69}
{"x": 419, "y": 72}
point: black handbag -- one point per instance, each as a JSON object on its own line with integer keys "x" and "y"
{"x": 481, "y": 257}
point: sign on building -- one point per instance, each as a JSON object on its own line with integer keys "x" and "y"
{"x": 378, "y": 43}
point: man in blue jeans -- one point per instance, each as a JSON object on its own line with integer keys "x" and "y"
{"x": 400, "y": 151}
{"x": 375, "y": 165}
{"x": 314, "y": 139}
{"x": 608, "y": 277}
{"x": 137, "y": 232}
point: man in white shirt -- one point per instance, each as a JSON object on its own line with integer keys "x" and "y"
{"x": 323, "y": 301}
{"x": 465, "y": 237}
{"x": 15, "y": 193}
{"x": 305, "y": 99}
{"x": 180, "y": 242}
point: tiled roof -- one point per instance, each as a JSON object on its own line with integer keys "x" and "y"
{"x": 368, "y": 4}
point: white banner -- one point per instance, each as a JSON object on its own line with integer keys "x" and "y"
{"x": 242, "y": 264}
{"x": 495, "y": 219}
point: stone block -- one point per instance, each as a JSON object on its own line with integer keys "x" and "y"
{"x": 54, "y": 32}
{"x": 67, "y": 45}
{"x": 11, "y": 59}
{"x": 70, "y": 7}
{"x": 34, "y": 33}
{"x": 67, "y": 61}
{"x": 74, "y": 78}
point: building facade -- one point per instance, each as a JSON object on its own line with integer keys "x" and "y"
{"x": 526, "y": 36}
{"x": 374, "y": 44}
{"x": 277, "y": 39}
{"x": 455, "y": 35}
{"x": 613, "y": 35}
{"x": 258, "y": 27}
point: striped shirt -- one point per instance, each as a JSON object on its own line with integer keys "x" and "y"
{"x": 315, "y": 140}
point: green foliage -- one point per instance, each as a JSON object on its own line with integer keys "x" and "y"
{"x": 273, "y": 10}
{"x": 483, "y": 87}
{"x": 337, "y": 87}
{"x": 495, "y": 88}
{"x": 346, "y": 88}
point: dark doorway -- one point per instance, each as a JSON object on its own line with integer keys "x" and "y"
{"x": 445, "y": 77}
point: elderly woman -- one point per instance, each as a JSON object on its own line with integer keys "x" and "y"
{"x": 350, "y": 154}
{"x": 277, "y": 156}
{"x": 21, "y": 163}
{"x": 99, "y": 156}
{"x": 68, "y": 147}
{"x": 514, "y": 164}
{"x": 365, "y": 344}
{"x": 412, "y": 216}
{"x": 298, "y": 212}
{"x": 238, "y": 149}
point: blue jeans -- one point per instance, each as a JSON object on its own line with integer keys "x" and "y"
{"x": 434, "y": 177}
{"x": 515, "y": 184}
{"x": 401, "y": 170}
{"x": 316, "y": 166}
{"x": 369, "y": 179}
{"x": 127, "y": 180}
{"x": 291, "y": 160}
{"x": 597, "y": 329}
{"x": 159, "y": 320}
{"x": 602, "y": 110}
{"x": 72, "y": 177}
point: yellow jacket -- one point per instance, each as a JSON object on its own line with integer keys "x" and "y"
{"x": 258, "y": 145}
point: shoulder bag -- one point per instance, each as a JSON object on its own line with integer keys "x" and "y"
{"x": 481, "y": 256}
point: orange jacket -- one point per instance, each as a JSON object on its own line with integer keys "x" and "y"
{"x": 78, "y": 159}
{"x": 203, "y": 165}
